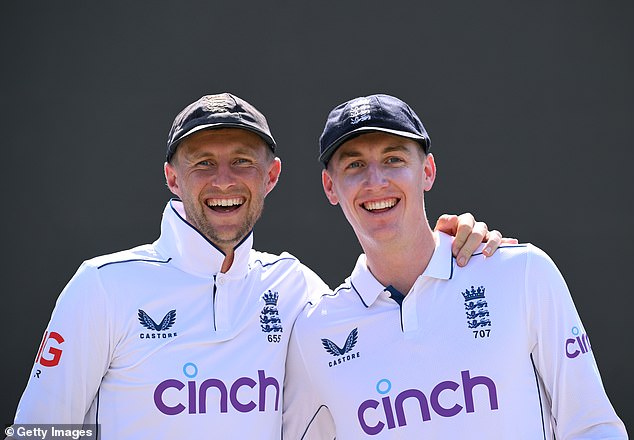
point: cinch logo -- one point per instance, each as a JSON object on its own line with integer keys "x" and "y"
{"x": 334, "y": 349}
{"x": 55, "y": 352}
{"x": 580, "y": 344}
{"x": 168, "y": 321}
{"x": 375, "y": 415}
{"x": 169, "y": 399}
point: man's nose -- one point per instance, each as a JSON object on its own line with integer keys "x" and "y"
{"x": 223, "y": 178}
{"x": 375, "y": 177}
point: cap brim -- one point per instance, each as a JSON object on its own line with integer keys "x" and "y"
{"x": 325, "y": 156}
{"x": 268, "y": 139}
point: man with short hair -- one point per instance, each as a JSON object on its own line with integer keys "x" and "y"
{"x": 185, "y": 337}
{"x": 413, "y": 346}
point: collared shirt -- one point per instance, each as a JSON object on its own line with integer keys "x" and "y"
{"x": 493, "y": 350}
{"x": 155, "y": 342}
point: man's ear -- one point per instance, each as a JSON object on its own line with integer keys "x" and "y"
{"x": 273, "y": 175}
{"x": 326, "y": 181}
{"x": 171, "y": 179}
{"x": 429, "y": 170}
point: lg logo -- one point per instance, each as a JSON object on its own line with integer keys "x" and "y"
{"x": 49, "y": 346}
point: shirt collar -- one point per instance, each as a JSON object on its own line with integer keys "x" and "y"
{"x": 440, "y": 267}
{"x": 192, "y": 252}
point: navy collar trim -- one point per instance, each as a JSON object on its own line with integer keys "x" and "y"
{"x": 175, "y": 199}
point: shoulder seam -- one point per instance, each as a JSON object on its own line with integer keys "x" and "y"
{"x": 333, "y": 293}
{"x": 146, "y": 260}
{"x": 274, "y": 262}
{"x": 504, "y": 247}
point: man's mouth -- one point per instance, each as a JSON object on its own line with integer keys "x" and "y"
{"x": 225, "y": 205}
{"x": 380, "y": 205}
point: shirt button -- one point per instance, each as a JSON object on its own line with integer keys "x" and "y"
{"x": 221, "y": 281}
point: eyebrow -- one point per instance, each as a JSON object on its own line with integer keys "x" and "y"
{"x": 388, "y": 149}
{"x": 240, "y": 151}
{"x": 399, "y": 148}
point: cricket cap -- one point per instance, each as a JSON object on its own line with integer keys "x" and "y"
{"x": 222, "y": 110}
{"x": 370, "y": 113}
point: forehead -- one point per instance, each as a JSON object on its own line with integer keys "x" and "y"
{"x": 376, "y": 143}
{"x": 217, "y": 141}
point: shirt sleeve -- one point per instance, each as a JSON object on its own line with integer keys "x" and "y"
{"x": 73, "y": 356}
{"x": 305, "y": 416}
{"x": 563, "y": 357}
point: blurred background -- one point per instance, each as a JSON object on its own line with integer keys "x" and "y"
{"x": 529, "y": 106}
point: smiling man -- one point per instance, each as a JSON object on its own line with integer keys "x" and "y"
{"x": 414, "y": 346}
{"x": 222, "y": 177}
{"x": 185, "y": 337}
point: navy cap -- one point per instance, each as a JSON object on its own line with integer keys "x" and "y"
{"x": 223, "y": 110}
{"x": 370, "y": 113}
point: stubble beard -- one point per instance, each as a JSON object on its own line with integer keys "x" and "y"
{"x": 200, "y": 222}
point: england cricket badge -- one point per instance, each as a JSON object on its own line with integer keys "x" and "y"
{"x": 475, "y": 305}
{"x": 270, "y": 317}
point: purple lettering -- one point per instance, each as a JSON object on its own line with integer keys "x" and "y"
{"x": 202, "y": 394}
{"x": 197, "y": 393}
{"x": 384, "y": 386}
{"x": 387, "y": 408}
{"x": 469, "y": 383}
{"x": 233, "y": 394}
{"x": 422, "y": 403}
{"x": 575, "y": 353}
{"x": 191, "y": 390}
{"x": 435, "y": 403}
{"x": 158, "y": 397}
{"x": 265, "y": 382}
{"x": 370, "y": 430}
{"x": 583, "y": 349}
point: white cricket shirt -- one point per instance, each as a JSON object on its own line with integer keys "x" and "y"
{"x": 155, "y": 342}
{"x": 493, "y": 350}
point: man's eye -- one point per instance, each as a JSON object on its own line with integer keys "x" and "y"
{"x": 356, "y": 164}
{"x": 242, "y": 161}
{"x": 394, "y": 159}
{"x": 204, "y": 163}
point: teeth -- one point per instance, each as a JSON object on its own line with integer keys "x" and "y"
{"x": 225, "y": 202}
{"x": 380, "y": 204}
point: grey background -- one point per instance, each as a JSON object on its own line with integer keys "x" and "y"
{"x": 529, "y": 106}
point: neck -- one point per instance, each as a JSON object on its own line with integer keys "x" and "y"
{"x": 228, "y": 261}
{"x": 400, "y": 262}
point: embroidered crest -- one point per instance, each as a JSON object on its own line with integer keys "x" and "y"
{"x": 270, "y": 317}
{"x": 476, "y": 308}
{"x": 217, "y": 103}
{"x": 359, "y": 110}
